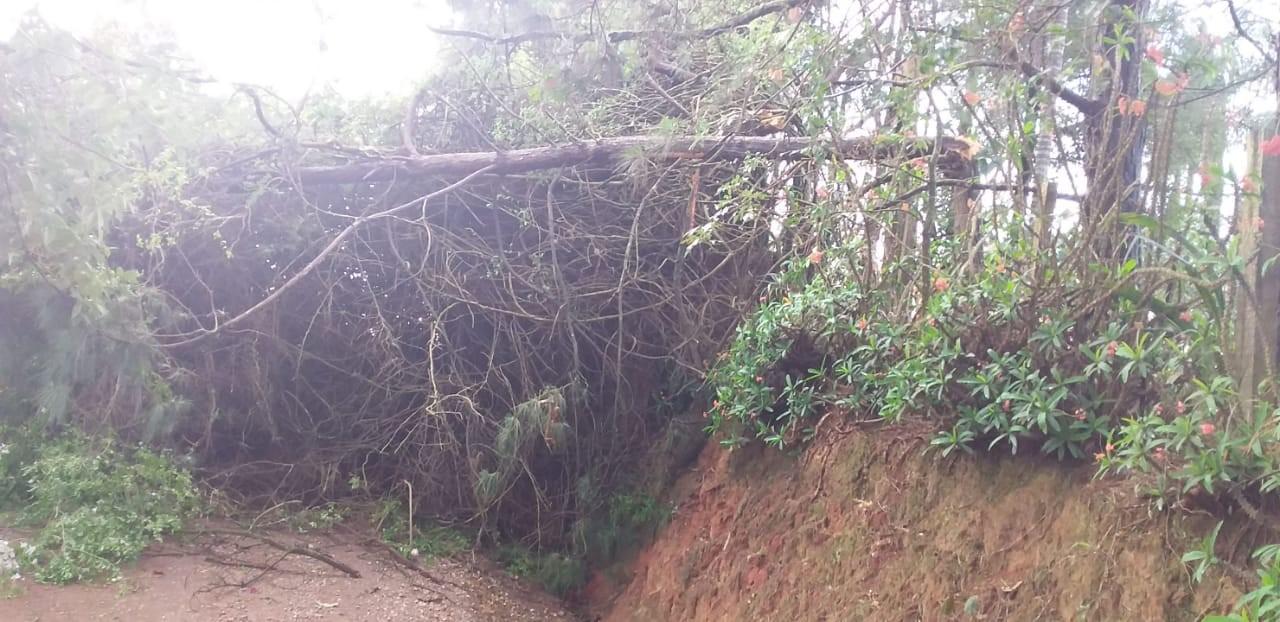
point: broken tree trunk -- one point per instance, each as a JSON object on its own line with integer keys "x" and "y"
{"x": 952, "y": 152}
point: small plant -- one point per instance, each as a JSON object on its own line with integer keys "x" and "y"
{"x": 318, "y": 518}
{"x": 1203, "y": 558}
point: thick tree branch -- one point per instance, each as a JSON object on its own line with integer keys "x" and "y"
{"x": 611, "y": 150}
{"x": 1080, "y": 102}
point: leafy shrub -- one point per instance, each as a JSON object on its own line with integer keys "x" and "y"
{"x": 97, "y": 506}
{"x": 999, "y": 361}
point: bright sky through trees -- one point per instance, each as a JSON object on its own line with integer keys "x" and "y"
{"x": 289, "y": 45}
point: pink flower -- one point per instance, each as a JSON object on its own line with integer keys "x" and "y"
{"x": 1180, "y": 408}
{"x": 1207, "y": 429}
{"x": 816, "y": 256}
{"x": 1271, "y": 147}
{"x": 1155, "y": 55}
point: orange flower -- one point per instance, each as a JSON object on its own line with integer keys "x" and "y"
{"x": 1167, "y": 88}
{"x": 816, "y": 256}
{"x": 1137, "y": 107}
{"x": 941, "y": 284}
{"x": 1122, "y": 105}
{"x": 1099, "y": 457}
{"x": 971, "y": 98}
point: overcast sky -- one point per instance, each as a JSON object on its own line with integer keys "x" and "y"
{"x": 363, "y": 48}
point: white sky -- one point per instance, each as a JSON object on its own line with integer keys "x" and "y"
{"x": 362, "y": 48}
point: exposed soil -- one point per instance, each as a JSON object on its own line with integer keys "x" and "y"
{"x": 865, "y": 525}
{"x": 181, "y": 582}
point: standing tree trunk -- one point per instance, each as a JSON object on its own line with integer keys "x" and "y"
{"x": 1258, "y": 298}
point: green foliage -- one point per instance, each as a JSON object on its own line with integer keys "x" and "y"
{"x": 557, "y": 573}
{"x": 318, "y": 518}
{"x": 430, "y": 539}
{"x": 96, "y": 505}
{"x": 629, "y": 521}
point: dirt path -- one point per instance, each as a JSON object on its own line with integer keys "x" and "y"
{"x": 253, "y": 582}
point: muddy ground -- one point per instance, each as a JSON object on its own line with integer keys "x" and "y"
{"x": 229, "y": 578}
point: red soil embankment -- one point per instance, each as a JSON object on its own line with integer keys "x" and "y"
{"x": 866, "y": 525}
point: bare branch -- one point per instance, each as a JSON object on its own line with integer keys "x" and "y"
{"x": 617, "y": 36}
{"x": 325, "y": 252}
